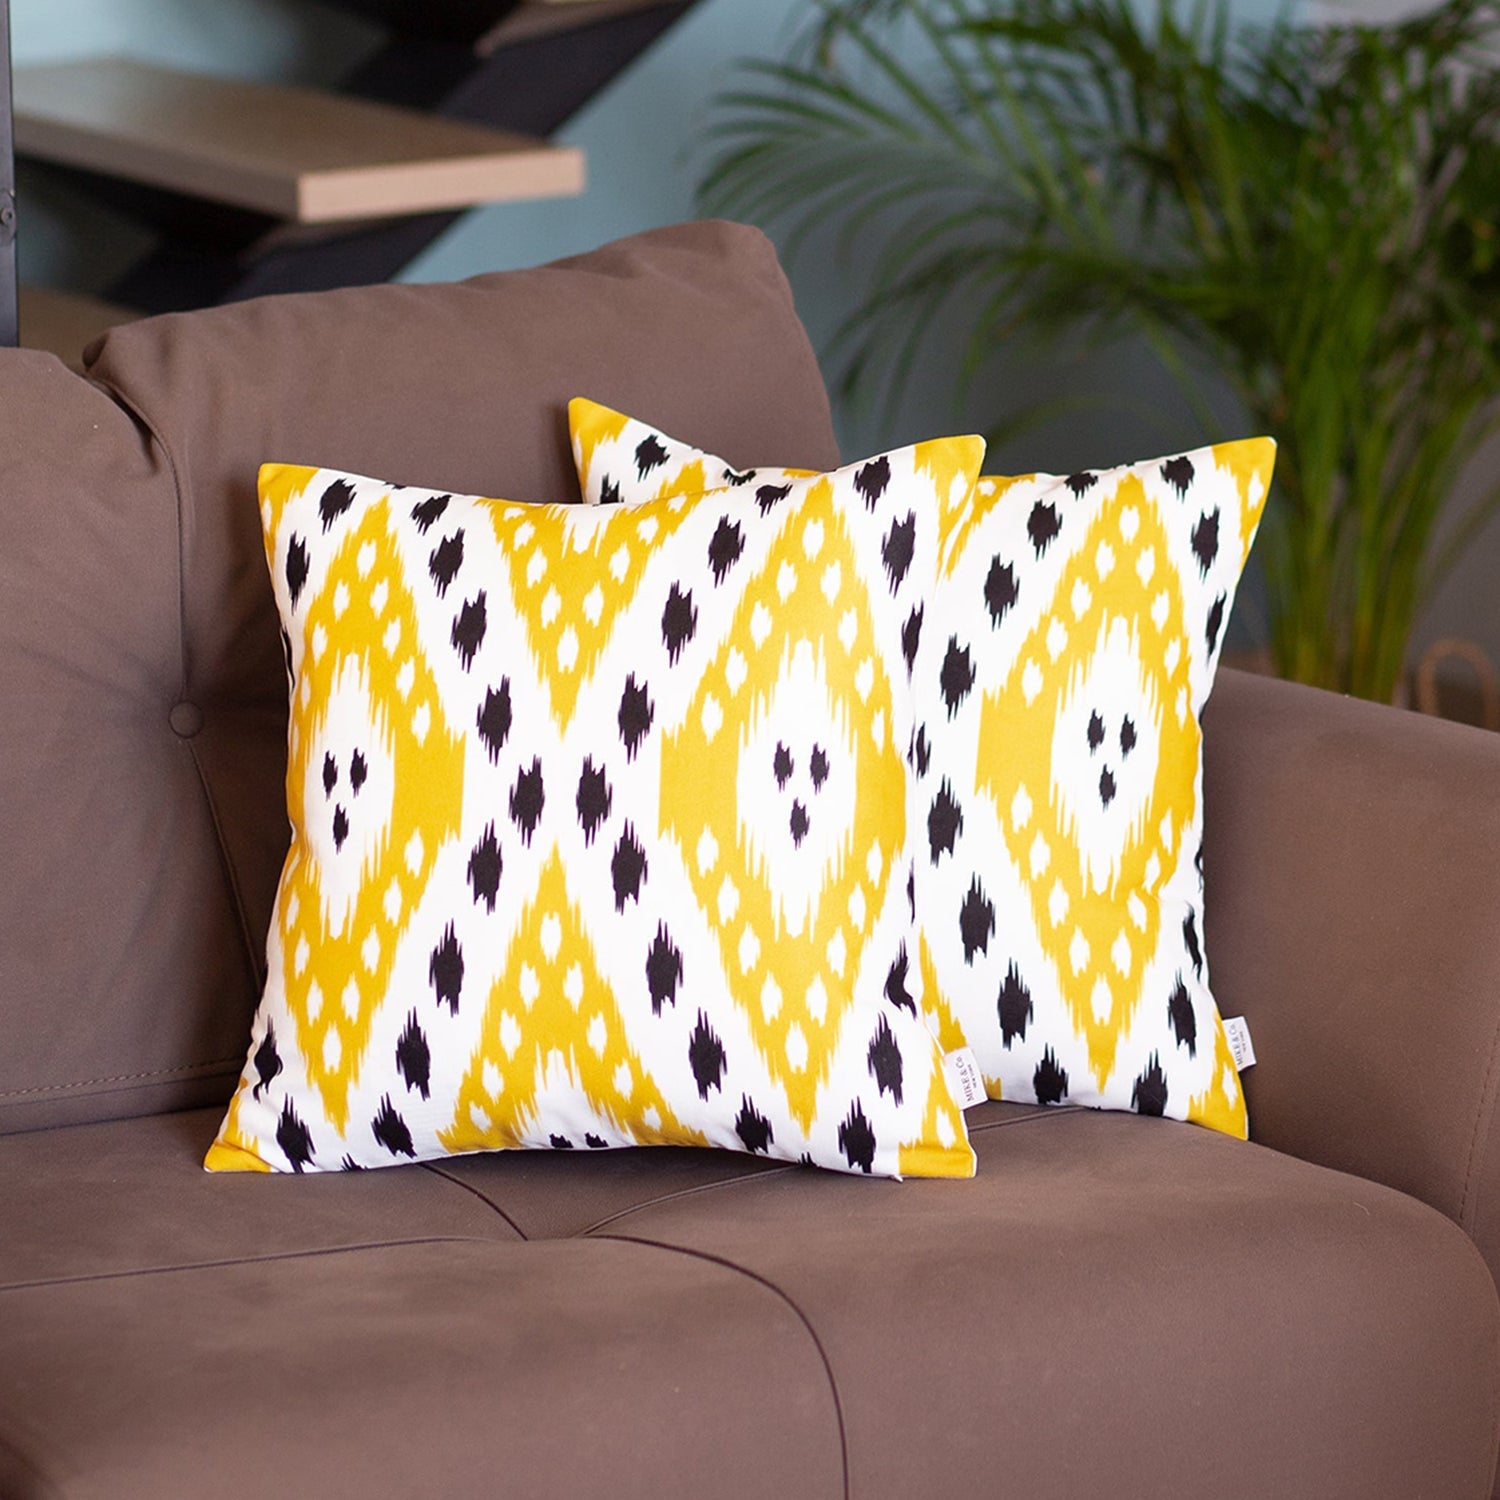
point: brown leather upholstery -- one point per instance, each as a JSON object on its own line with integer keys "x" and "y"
{"x": 1114, "y": 1306}
{"x": 143, "y": 742}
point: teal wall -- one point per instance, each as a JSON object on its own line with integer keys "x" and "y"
{"x": 639, "y": 136}
{"x": 263, "y": 38}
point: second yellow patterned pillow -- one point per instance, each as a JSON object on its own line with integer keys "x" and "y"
{"x": 1062, "y": 661}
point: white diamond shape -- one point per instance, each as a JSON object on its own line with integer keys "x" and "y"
{"x": 801, "y": 715}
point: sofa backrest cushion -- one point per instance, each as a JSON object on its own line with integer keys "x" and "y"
{"x": 143, "y": 734}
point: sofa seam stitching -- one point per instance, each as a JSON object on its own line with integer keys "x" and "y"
{"x": 227, "y": 864}
{"x": 99, "y": 1277}
{"x": 1041, "y": 1112}
{"x": 231, "y": 879}
{"x": 437, "y": 1170}
{"x": 788, "y": 1300}
{"x": 730, "y": 1182}
{"x": 733, "y": 1182}
{"x": 681, "y": 1193}
{"x": 58, "y": 1088}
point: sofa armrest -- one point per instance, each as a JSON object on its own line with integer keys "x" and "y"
{"x": 1352, "y": 860}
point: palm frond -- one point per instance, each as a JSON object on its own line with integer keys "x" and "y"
{"x": 1308, "y": 209}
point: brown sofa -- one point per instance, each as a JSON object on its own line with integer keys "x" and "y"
{"x": 1114, "y": 1306}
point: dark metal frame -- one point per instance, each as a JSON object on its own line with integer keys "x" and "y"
{"x": 9, "y": 314}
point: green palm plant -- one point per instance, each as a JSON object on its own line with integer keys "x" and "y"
{"x": 1309, "y": 210}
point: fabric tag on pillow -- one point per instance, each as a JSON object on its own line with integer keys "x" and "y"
{"x": 1237, "y": 1033}
{"x": 964, "y": 1077}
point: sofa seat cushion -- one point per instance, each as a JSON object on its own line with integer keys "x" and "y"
{"x": 131, "y": 1197}
{"x": 1115, "y": 1305}
{"x": 443, "y": 1368}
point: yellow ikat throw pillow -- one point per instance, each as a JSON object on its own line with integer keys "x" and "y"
{"x": 600, "y": 826}
{"x": 1062, "y": 662}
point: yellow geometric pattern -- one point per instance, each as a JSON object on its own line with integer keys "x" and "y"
{"x": 949, "y": 1032}
{"x": 942, "y": 1020}
{"x": 1099, "y": 927}
{"x": 234, "y": 1149}
{"x": 571, "y": 573}
{"x": 601, "y": 443}
{"x": 1250, "y": 462}
{"x": 960, "y": 516}
{"x": 930, "y": 1152}
{"x": 1095, "y": 839}
{"x": 1221, "y": 1106}
{"x": 365, "y": 607}
{"x": 604, "y": 442}
{"x": 592, "y": 428}
{"x": 552, "y": 1026}
{"x": 509, "y": 915}
{"x": 811, "y": 576}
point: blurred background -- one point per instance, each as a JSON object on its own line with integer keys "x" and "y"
{"x": 643, "y": 135}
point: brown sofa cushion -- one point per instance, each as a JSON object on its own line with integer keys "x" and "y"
{"x": 1353, "y": 892}
{"x": 142, "y": 748}
{"x": 1115, "y": 1306}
